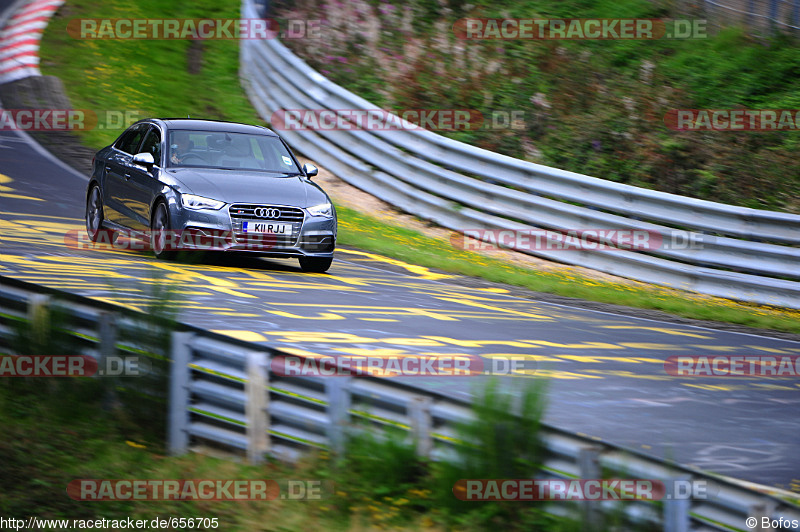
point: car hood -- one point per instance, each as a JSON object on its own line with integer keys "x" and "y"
{"x": 236, "y": 186}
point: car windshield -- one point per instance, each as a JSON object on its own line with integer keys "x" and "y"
{"x": 230, "y": 151}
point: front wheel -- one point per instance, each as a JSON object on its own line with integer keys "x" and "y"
{"x": 94, "y": 219}
{"x": 160, "y": 239}
{"x": 315, "y": 264}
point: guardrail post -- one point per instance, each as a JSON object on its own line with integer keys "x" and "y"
{"x": 178, "y": 416}
{"x": 589, "y": 467}
{"x": 105, "y": 352}
{"x": 676, "y": 510}
{"x": 759, "y": 511}
{"x": 108, "y": 339}
{"x": 39, "y": 320}
{"x": 419, "y": 410}
{"x": 257, "y": 407}
{"x": 337, "y": 390}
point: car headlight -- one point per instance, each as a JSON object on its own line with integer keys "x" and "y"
{"x": 190, "y": 201}
{"x": 323, "y": 209}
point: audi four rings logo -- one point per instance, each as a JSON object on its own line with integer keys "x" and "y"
{"x": 263, "y": 212}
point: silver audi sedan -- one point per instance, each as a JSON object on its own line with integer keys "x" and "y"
{"x": 187, "y": 184}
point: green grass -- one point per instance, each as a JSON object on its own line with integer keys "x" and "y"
{"x": 146, "y": 78}
{"x": 44, "y": 448}
{"x": 152, "y": 77}
{"x": 59, "y": 430}
{"x": 378, "y": 482}
{"x": 52, "y": 439}
{"x": 366, "y": 232}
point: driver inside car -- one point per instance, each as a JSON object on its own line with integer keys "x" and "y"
{"x": 180, "y": 148}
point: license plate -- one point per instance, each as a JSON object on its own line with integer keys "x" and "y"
{"x": 267, "y": 228}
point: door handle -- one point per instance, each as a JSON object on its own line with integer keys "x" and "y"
{"x": 108, "y": 168}
{"x": 128, "y": 175}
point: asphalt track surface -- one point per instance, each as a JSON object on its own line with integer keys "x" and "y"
{"x": 606, "y": 372}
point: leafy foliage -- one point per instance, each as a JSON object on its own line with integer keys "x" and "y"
{"x": 595, "y": 107}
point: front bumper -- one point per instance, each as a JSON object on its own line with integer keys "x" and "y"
{"x": 209, "y": 230}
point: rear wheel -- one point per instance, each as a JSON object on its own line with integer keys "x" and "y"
{"x": 315, "y": 264}
{"x": 160, "y": 239}
{"x": 94, "y": 218}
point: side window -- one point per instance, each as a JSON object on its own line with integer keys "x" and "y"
{"x": 130, "y": 141}
{"x": 123, "y": 139}
{"x": 152, "y": 144}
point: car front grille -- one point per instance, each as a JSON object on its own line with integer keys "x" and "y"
{"x": 245, "y": 212}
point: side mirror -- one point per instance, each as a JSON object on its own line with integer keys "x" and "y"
{"x": 310, "y": 170}
{"x": 144, "y": 159}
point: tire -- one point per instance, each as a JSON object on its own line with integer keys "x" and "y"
{"x": 159, "y": 225}
{"x": 94, "y": 218}
{"x": 315, "y": 264}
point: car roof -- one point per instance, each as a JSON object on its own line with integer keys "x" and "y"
{"x": 197, "y": 124}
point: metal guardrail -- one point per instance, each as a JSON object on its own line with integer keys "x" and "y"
{"x": 743, "y": 253}
{"x": 223, "y": 396}
{"x": 758, "y": 16}
{"x": 91, "y": 331}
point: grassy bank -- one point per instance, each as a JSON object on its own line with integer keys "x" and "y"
{"x": 367, "y": 232}
{"x": 167, "y": 78}
{"x": 375, "y": 484}
{"x": 42, "y": 452}
{"x": 178, "y": 78}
